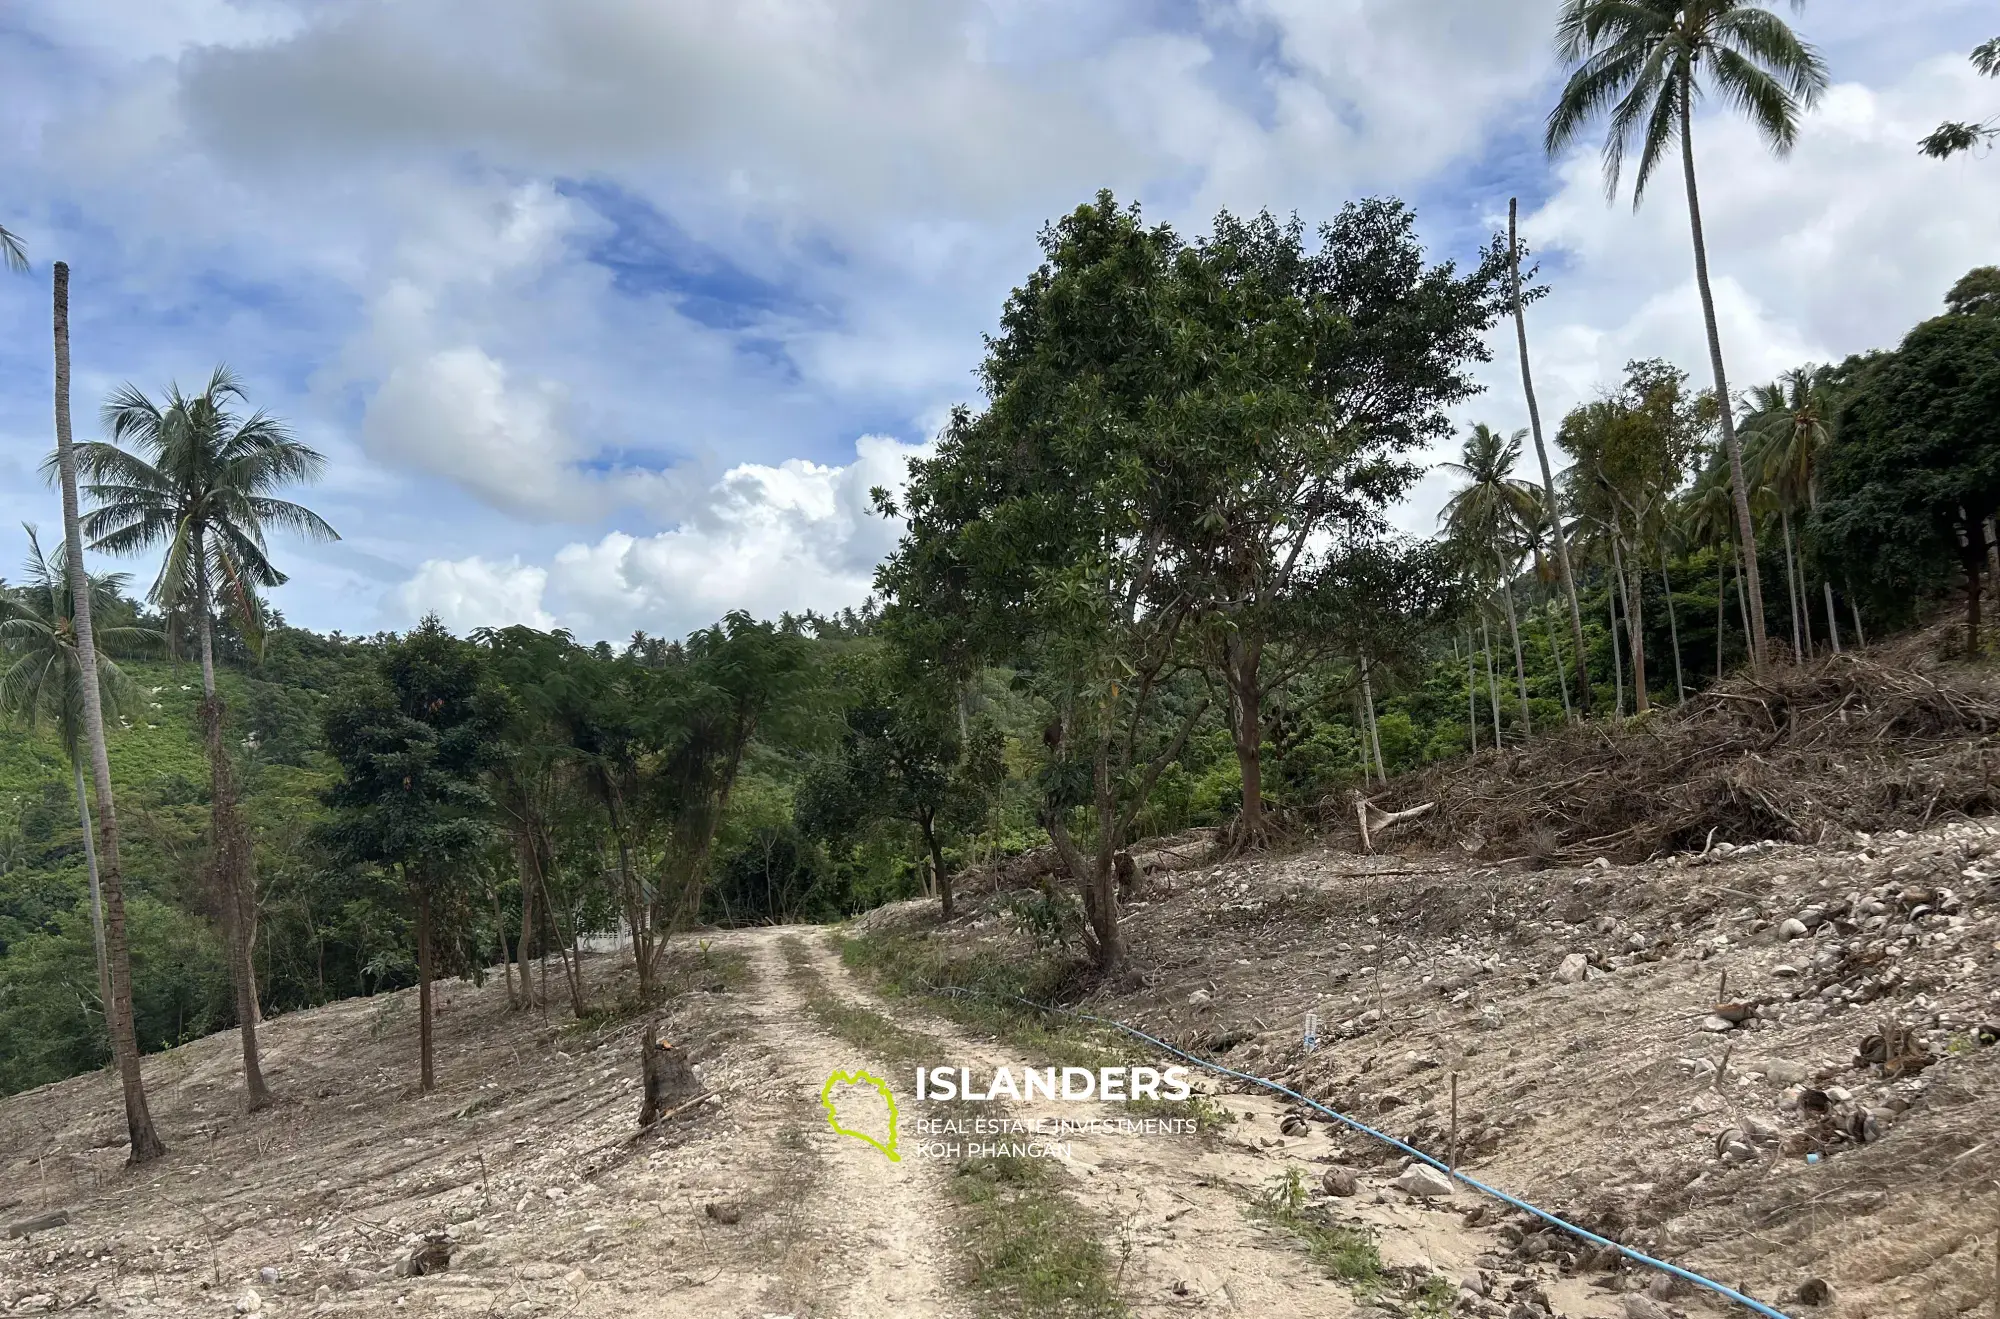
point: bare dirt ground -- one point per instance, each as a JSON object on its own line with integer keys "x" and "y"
{"x": 1576, "y": 1005}
{"x": 1777, "y": 1152}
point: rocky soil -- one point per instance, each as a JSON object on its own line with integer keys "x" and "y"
{"x": 1772, "y": 1063}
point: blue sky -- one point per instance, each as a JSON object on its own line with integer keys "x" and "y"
{"x": 609, "y": 313}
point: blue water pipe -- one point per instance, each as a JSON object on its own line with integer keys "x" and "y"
{"x": 1637, "y": 1256}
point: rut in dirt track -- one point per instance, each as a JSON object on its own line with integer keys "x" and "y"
{"x": 892, "y": 1216}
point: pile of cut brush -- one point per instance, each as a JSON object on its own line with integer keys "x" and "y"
{"x": 1880, "y": 739}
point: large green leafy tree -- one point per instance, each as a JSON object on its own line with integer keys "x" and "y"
{"x": 1643, "y": 65}
{"x": 1038, "y": 534}
{"x": 1304, "y": 379}
{"x": 199, "y": 482}
{"x": 696, "y": 715}
{"x": 903, "y": 757}
{"x": 1912, "y": 472}
{"x": 414, "y": 741}
{"x": 43, "y": 681}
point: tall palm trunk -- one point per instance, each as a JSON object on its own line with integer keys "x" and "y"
{"x": 1634, "y": 625}
{"x": 1673, "y": 627}
{"x": 96, "y": 890}
{"x": 1832, "y": 619}
{"x": 1554, "y": 509}
{"x": 146, "y": 1143}
{"x": 1791, "y": 580}
{"x": 1492, "y": 683}
{"x": 1739, "y": 490}
{"x": 1520, "y": 664}
{"x": 229, "y": 859}
{"x": 1471, "y": 696}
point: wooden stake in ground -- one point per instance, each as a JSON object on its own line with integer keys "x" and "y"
{"x": 1454, "y": 1126}
{"x": 146, "y": 1143}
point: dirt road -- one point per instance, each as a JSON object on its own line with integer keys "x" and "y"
{"x": 523, "y": 1164}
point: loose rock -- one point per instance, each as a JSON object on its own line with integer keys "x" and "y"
{"x": 1422, "y": 1179}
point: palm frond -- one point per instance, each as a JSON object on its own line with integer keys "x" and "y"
{"x": 12, "y": 250}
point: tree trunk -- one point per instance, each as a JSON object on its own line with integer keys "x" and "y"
{"x": 1555, "y": 653}
{"x": 1854, "y": 607}
{"x": 1975, "y": 559}
{"x": 1242, "y": 670}
{"x": 1673, "y": 627}
{"x": 1520, "y": 664}
{"x": 529, "y": 868}
{"x": 1374, "y": 728}
{"x": 929, "y": 825}
{"x": 96, "y": 890}
{"x": 506, "y": 953}
{"x": 1721, "y": 603}
{"x": 1617, "y": 663}
{"x": 1739, "y": 491}
{"x": 1832, "y": 618}
{"x": 229, "y": 847}
{"x": 1554, "y": 509}
{"x": 1791, "y": 582}
{"x": 1492, "y": 683}
{"x": 146, "y": 1143}
{"x": 425, "y": 1081}
{"x": 1634, "y": 628}
{"x": 1471, "y": 702}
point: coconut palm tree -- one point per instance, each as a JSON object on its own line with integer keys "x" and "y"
{"x": 1788, "y": 422}
{"x": 1644, "y": 64}
{"x": 12, "y": 252}
{"x": 44, "y": 683}
{"x": 1549, "y": 495}
{"x": 146, "y": 1142}
{"x": 198, "y": 482}
{"x": 1491, "y": 516}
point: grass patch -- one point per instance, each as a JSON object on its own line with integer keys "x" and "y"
{"x": 1031, "y": 1251}
{"x": 860, "y": 1026}
{"x": 1348, "y": 1253}
{"x": 912, "y": 966}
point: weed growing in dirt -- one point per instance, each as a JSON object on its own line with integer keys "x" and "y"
{"x": 906, "y": 965}
{"x": 1205, "y": 1113}
{"x": 1347, "y": 1253}
{"x": 1030, "y": 1251}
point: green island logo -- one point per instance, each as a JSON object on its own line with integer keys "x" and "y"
{"x": 833, "y": 1117}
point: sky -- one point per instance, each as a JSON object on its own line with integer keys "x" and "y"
{"x": 608, "y": 314}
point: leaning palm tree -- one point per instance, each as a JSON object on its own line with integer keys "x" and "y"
{"x": 1644, "y": 64}
{"x": 199, "y": 481}
{"x": 1490, "y": 516}
{"x": 43, "y": 683}
{"x": 146, "y": 1142}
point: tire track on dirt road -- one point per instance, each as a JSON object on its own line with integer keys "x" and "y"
{"x": 888, "y": 1217}
{"x": 1182, "y": 1236}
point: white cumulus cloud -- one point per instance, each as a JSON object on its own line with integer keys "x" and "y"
{"x": 766, "y": 539}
